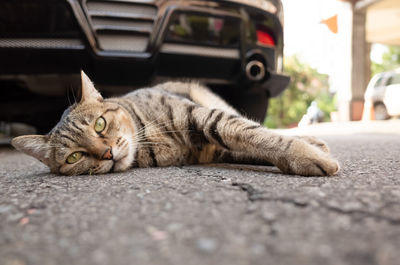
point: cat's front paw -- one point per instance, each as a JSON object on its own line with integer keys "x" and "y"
{"x": 322, "y": 166}
{"x": 307, "y": 160}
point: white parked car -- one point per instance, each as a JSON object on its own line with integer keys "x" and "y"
{"x": 383, "y": 92}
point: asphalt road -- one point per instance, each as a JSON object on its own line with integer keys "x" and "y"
{"x": 207, "y": 214}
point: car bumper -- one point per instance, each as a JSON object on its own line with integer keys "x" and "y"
{"x": 110, "y": 47}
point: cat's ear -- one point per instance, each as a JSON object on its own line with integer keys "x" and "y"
{"x": 33, "y": 145}
{"x": 89, "y": 93}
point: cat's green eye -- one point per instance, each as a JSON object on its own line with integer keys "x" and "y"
{"x": 74, "y": 157}
{"x": 100, "y": 125}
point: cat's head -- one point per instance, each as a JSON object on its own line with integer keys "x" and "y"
{"x": 93, "y": 136}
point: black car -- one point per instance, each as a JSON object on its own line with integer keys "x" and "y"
{"x": 233, "y": 46}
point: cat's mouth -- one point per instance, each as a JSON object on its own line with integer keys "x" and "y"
{"x": 116, "y": 164}
{"x": 113, "y": 166}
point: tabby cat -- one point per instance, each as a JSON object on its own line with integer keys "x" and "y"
{"x": 170, "y": 124}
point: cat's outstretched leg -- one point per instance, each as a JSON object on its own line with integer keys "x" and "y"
{"x": 236, "y": 157}
{"x": 229, "y": 156}
{"x": 235, "y": 133}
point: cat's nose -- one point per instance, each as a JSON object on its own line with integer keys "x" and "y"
{"x": 107, "y": 155}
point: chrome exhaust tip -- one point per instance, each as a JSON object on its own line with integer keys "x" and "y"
{"x": 255, "y": 70}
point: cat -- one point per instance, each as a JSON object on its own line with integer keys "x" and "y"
{"x": 170, "y": 124}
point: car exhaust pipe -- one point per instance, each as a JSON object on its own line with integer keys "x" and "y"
{"x": 255, "y": 70}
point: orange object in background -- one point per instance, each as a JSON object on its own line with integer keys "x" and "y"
{"x": 368, "y": 112}
{"x": 357, "y": 108}
{"x": 331, "y": 23}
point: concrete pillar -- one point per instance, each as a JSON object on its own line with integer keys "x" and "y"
{"x": 351, "y": 105}
{"x": 361, "y": 63}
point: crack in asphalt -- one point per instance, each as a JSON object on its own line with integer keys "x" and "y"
{"x": 255, "y": 195}
{"x": 363, "y": 213}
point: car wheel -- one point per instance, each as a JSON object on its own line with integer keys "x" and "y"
{"x": 380, "y": 112}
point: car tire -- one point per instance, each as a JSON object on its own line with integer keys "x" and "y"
{"x": 381, "y": 112}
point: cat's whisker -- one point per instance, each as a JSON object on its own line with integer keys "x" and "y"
{"x": 73, "y": 94}
{"x": 163, "y": 132}
{"x": 159, "y": 127}
{"x": 152, "y": 143}
{"x": 143, "y": 144}
{"x": 140, "y": 142}
{"x": 152, "y": 123}
{"x": 154, "y": 127}
{"x": 152, "y": 136}
{"x": 149, "y": 125}
{"x": 140, "y": 139}
{"x": 69, "y": 100}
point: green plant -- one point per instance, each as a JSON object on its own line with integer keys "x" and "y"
{"x": 307, "y": 85}
{"x": 390, "y": 61}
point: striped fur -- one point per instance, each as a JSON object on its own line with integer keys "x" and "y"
{"x": 170, "y": 124}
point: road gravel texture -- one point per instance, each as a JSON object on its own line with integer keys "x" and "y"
{"x": 209, "y": 214}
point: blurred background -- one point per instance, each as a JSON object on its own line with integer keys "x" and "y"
{"x": 341, "y": 56}
{"x": 333, "y": 49}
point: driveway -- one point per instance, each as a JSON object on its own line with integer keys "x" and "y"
{"x": 209, "y": 214}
